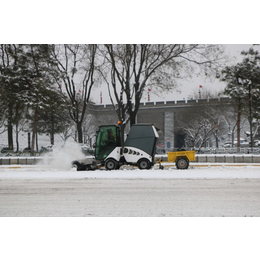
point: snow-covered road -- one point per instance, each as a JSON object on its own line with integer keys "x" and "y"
{"x": 199, "y": 192}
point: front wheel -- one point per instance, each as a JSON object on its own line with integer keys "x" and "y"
{"x": 182, "y": 163}
{"x": 144, "y": 164}
{"x": 111, "y": 164}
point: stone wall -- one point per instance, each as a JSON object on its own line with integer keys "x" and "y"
{"x": 166, "y": 116}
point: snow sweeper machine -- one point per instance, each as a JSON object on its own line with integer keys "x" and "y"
{"x": 138, "y": 150}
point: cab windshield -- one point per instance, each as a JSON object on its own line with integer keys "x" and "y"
{"x": 108, "y": 137}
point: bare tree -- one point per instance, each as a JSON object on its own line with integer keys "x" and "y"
{"x": 76, "y": 65}
{"x": 200, "y": 130}
{"x": 203, "y": 124}
{"x": 89, "y": 128}
{"x": 67, "y": 133}
{"x": 133, "y": 67}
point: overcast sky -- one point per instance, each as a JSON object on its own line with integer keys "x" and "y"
{"x": 187, "y": 87}
{"x": 135, "y": 22}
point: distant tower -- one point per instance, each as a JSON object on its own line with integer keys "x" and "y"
{"x": 200, "y": 91}
{"x": 149, "y": 94}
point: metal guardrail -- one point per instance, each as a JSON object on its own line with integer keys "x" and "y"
{"x": 221, "y": 158}
{"x": 24, "y": 160}
{"x": 231, "y": 150}
{"x": 230, "y": 158}
{"x": 222, "y": 150}
{"x": 200, "y": 158}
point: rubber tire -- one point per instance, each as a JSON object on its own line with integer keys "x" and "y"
{"x": 144, "y": 164}
{"x": 111, "y": 164}
{"x": 182, "y": 163}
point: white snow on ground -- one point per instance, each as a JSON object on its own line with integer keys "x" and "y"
{"x": 58, "y": 190}
{"x": 194, "y": 172}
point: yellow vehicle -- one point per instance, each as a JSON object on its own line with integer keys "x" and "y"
{"x": 181, "y": 158}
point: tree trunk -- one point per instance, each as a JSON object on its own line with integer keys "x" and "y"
{"x": 17, "y": 142}
{"x": 52, "y": 138}
{"x": 29, "y": 141}
{"x": 80, "y": 132}
{"x": 122, "y": 133}
{"x": 132, "y": 119}
{"x": 52, "y": 131}
{"x": 36, "y": 137}
{"x": 34, "y": 130}
{"x": 10, "y": 128}
{"x": 10, "y": 136}
{"x": 238, "y": 127}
